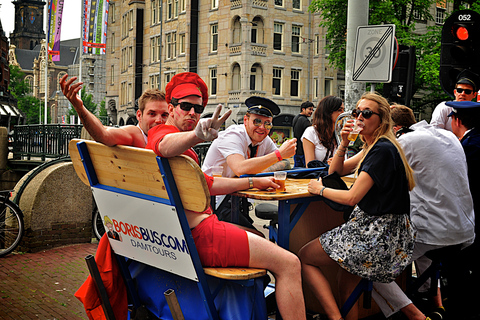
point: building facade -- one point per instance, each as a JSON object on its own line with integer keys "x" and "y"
{"x": 240, "y": 48}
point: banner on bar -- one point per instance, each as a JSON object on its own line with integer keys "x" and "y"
{"x": 55, "y": 10}
{"x": 94, "y": 31}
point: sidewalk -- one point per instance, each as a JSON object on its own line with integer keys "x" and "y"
{"x": 41, "y": 285}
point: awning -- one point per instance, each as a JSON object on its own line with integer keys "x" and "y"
{"x": 6, "y": 110}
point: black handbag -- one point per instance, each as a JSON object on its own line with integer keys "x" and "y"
{"x": 334, "y": 181}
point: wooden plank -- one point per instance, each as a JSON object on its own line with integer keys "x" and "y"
{"x": 136, "y": 169}
{"x": 235, "y": 273}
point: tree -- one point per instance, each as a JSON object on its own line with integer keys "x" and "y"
{"x": 87, "y": 103}
{"x": 20, "y": 89}
{"x": 102, "y": 113}
{"x": 401, "y": 13}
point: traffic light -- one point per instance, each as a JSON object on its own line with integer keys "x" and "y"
{"x": 460, "y": 47}
{"x": 400, "y": 90}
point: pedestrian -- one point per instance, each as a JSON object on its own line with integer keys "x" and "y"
{"x": 466, "y": 89}
{"x": 318, "y": 140}
{"x": 221, "y": 244}
{"x": 300, "y": 123}
{"x": 377, "y": 241}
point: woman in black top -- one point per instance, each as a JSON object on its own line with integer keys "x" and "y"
{"x": 377, "y": 242}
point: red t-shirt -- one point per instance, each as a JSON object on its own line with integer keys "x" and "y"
{"x": 157, "y": 133}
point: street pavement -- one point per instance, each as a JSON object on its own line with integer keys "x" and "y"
{"x": 42, "y": 285}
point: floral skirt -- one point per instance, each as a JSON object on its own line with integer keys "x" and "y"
{"x": 377, "y": 248}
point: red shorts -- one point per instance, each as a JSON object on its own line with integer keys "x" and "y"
{"x": 221, "y": 244}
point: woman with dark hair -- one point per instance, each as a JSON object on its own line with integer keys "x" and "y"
{"x": 319, "y": 139}
{"x": 377, "y": 242}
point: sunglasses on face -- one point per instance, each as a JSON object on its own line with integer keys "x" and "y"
{"x": 461, "y": 90}
{"x": 187, "y": 106}
{"x": 367, "y": 113}
{"x": 258, "y": 123}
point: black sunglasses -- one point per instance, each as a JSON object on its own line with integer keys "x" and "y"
{"x": 367, "y": 113}
{"x": 187, "y": 106}
{"x": 461, "y": 90}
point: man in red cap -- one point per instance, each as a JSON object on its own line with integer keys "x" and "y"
{"x": 152, "y": 111}
{"x": 221, "y": 244}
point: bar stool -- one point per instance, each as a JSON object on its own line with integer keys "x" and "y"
{"x": 435, "y": 271}
{"x": 268, "y": 211}
{"x": 364, "y": 286}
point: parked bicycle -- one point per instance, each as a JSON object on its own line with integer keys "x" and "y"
{"x": 11, "y": 224}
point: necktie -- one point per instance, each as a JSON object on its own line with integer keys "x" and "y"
{"x": 253, "y": 150}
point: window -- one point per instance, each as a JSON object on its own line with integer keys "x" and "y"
{"x": 182, "y": 5}
{"x": 155, "y": 47}
{"x": 439, "y": 15}
{"x": 29, "y": 81}
{"x": 154, "y": 81}
{"x": 155, "y": 11}
{"x": 214, "y": 37}
{"x": 277, "y": 36}
{"x": 278, "y": 3}
{"x": 256, "y": 77}
{"x": 214, "y": 4}
{"x": 172, "y": 9}
{"x": 327, "y": 47}
{"x": 111, "y": 11}
{"x": 296, "y": 30}
{"x": 277, "y": 81}
{"x": 169, "y": 76}
{"x": 297, "y": 4}
{"x": 328, "y": 87}
{"x": 112, "y": 42}
{"x": 295, "y": 83}
{"x": 130, "y": 56}
{"x": 213, "y": 81}
{"x": 317, "y": 45}
{"x": 171, "y": 45}
{"x": 315, "y": 88}
{"x": 236, "y": 77}
{"x": 181, "y": 49}
{"x": 112, "y": 74}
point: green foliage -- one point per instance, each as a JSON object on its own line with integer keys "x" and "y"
{"x": 400, "y": 13}
{"x": 102, "y": 113}
{"x": 28, "y": 104}
{"x": 87, "y": 103}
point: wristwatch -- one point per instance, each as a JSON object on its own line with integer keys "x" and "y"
{"x": 321, "y": 191}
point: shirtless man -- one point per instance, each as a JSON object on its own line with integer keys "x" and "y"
{"x": 152, "y": 111}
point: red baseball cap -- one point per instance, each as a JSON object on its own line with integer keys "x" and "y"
{"x": 186, "y": 84}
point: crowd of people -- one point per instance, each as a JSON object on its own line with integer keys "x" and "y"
{"x": 414, "y": 192}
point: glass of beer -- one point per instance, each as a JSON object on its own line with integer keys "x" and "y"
{"x": 280, "y": 177}
{"x": 357, "y": 127}
{"x": 217, "y": 171}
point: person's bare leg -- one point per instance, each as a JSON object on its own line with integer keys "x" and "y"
{"x": 313, "y": 257}
{"x": 412, "y": 312}
{"x": 346, "y": 284}
{"x": 285, "y": 267}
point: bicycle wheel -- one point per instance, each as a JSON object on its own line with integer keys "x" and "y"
{"x": 11, "y": 227}
{"x": 97, "y": 223}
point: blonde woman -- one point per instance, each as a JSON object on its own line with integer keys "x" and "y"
{"x": 377, "y": 242}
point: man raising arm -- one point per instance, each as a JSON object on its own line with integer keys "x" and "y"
{"x": 153, "y": 110}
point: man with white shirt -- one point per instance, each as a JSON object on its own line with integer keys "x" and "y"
{"x": 247, "y": 149}
{"x": 466, "y": 89}
{"x": 441, "y": 207}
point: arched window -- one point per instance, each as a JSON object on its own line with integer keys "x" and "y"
{"x": 237, "y": 30}
{"x": 257, "y": 33}
{"x": 236, "y": 77}
{"x": 256, "y": 77}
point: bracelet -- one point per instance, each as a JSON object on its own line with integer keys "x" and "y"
{"x": 321, "y": 191}
{"x": 341, "y": 148}
{"x": 279, "y": 156}
{"x": 250, "y": 182}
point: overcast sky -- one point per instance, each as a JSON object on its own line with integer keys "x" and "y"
{"x": 70, "y": 20}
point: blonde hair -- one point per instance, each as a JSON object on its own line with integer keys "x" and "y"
{"x": 106, "y": 220}
{"x": 384, "y": 130}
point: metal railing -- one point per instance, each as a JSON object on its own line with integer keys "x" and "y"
{"x": 43, "y": 140}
